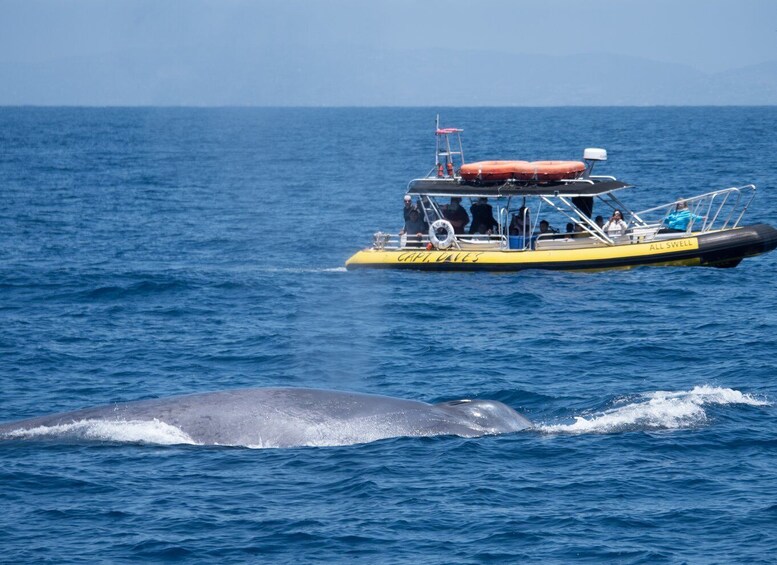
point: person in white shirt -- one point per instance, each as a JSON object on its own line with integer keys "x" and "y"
{"x": 615, "y": 225}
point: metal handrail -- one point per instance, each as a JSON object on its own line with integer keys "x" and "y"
{"x": 715, "y": 210}
{"x": 383, "y": 240}
{"x": 724, "y": 205}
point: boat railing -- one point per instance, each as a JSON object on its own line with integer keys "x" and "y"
{"x": 602, "y": 177}
{"x": 466, "y": 242}
{"x": 716, "y": 210}
{"x": 481, "y": 241}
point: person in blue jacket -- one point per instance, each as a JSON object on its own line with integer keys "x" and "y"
{"x": 681, "y": 217}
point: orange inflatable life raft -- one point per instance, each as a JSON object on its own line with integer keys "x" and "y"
{"x": 540, "y": 171}
{"x": 494, "y": 170}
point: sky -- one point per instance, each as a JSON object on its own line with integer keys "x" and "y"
{"x": 162, "y": 50}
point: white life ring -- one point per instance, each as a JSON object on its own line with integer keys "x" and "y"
{"x": 449, "y": 234}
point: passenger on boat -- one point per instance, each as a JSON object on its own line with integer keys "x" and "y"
{"x": 415, "y": 228}
{"x": 408, "y": 206}
{"x": 615, "y": 226}
{"x": 521, "y": 222}
{"x": 579, "y": 231}
{"x": 482, "y": 217}
{"x": 681, "y": 217}
{"x": 456, "y": 215}
{"x": 599, "y": 221}
{"x": 545, "y": 227}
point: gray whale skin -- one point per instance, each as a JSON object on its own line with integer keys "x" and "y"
{"x": 282, "y": 417}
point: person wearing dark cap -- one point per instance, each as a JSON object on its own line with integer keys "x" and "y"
{"x": 456, "y": 215}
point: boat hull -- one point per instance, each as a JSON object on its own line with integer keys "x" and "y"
{"x": 725, "y": 248}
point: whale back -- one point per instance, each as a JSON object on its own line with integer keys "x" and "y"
{"x": 280, "y": 417}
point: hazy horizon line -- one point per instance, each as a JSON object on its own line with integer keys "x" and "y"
{"x": 355, "y": 107}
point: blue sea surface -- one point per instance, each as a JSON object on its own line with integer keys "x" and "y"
{"x": 152, "y": 252}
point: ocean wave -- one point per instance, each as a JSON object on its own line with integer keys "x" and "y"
{"x": 655, "y": 411}
{"x": 142, "y": 288}
{"x": 303, "y": 270}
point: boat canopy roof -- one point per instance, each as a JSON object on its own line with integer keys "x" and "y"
{"x": 454, "y": 186}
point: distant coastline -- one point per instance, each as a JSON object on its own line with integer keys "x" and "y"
{"x": 378, "y": 78}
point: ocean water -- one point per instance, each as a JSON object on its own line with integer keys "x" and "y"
{"x": 152, "y": 252}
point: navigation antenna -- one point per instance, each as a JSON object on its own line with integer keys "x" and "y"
{"x": 443, "y": 155}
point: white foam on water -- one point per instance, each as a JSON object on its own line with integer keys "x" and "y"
{"x": 304, "y": 270}
{"x": 130, "y": 431}
{"x": 706, "y": 394}
{"x": 656, "y": 410}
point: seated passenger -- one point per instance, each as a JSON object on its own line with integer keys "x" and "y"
{"x": 545, "y": 227}
{"x": 521, "y": 222}
{"x": 615, "y": 226}
{"x": 599, "y": 221}
{"x": 681, "y": 217}
{"x": 580, "y": 230}
{"x": 456, "y": 215}
{"x": 483, "y": 221}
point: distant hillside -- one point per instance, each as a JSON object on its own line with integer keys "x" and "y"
{"x": 377, "y": 78}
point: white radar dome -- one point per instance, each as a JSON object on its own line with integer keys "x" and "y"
{"x": 594, "y": 154}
